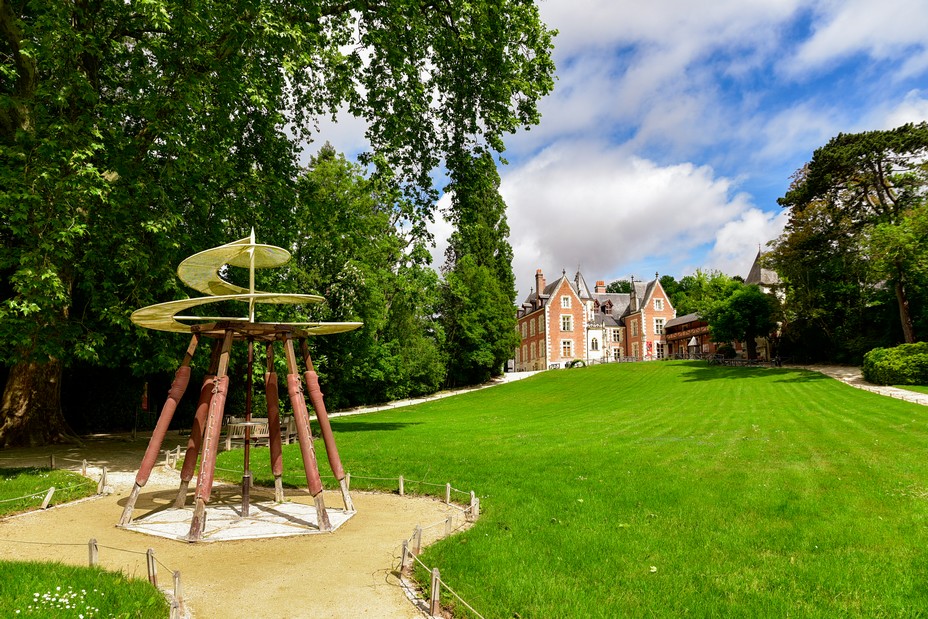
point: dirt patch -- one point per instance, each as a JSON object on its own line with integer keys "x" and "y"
{"x": 349, "y": 573}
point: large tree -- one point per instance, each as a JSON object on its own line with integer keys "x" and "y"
{"x": 479, "y": 288}
{"x": 746, "y": 315}
{"x": 852, "y": 185}
{"x": 134, "y": 133}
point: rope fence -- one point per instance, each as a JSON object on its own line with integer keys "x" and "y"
{"x": 412, "y": 546}
{"x": 174, "y": 595}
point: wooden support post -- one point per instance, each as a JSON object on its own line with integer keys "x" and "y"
{"x": 417, "y": 536}
{"x": 101, "y": 486}
{"x": 307, "y": 451}
{"x": 178, "y": 387}
{"x": 470, "y": 512}
{"x": 331, "y": 451}
{"x": 448, "y": 494}
{"x": 92, "y": 552}
{"x": 197, "y": 430}
{"x": 435, "y": 586}
{"x": 348, "y": 481}
{"x": 448, "y": 524}
{"x": 152, "y": 567}
{"x": 84, "y": 468}
{"x": 48, "y": 497}
{"x": 476, "y": 509}
{"x": 51, "y": 461}
{"x": 211, "y": 441}
{"x": 405, "y": 552}
{"x": 402, "y": 488}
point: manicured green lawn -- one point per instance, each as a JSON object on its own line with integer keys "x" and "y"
{"x": 35, "y": 589}
{"x": 918, "y": 388}
{"x": 32, "y": 589}
{"x": 23, "y": 489}
{"x": 666, "y": 489}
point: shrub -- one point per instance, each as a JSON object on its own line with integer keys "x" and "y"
{"x": 726, "y": 351}
{"x": 906, "y": 364}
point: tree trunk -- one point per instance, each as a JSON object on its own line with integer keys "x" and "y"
{"x": 31, "y": 413}
{"x": 905, "y": 317}
{"x": 750, "y": 344}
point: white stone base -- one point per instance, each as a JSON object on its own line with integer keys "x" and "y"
{"x": 225, "y": 522}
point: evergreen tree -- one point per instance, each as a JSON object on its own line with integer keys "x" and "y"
{"x": 479, "y": 294}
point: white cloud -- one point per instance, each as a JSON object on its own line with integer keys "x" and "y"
{"x": 912, "y": 109}
{"x": 736, "y": 242}
{"x": 882, "y": 30}
{"x": 592, "y": 205}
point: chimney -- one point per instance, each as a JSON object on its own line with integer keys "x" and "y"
{"x": 539, "y": 282}
{"x": 600, "y": 287}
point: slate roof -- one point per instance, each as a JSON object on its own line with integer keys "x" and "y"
{"x": 761, "y": 276}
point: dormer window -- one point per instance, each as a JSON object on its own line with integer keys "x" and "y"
{"x": 565, "y": 302}
{"x": 658, "y": 305}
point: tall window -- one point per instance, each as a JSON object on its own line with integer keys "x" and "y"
{"x": 635, "y": 328}
{"x": 523, "y": 330}
{"x": 541, "y": 325}
{"x": 565, "y": 302}
{"x": 658, "y": 326}
{"x": 594, "y": 344}
{"x": 531, "y": 327}
{"x": 567, "y": 348}
{"x": 617, "y": 354}
{"x": 659, "y": 349}
{"x": 635, "y": 350}
{"x": 524, "y": 350}
{"x": 567, "y": 322}
{"x": 659, "y": 305}
{"x": 534, "y": 350}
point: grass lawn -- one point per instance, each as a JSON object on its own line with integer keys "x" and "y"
{"x": 34, "y": 589}
{"x": 666, "y": 489}
{"x": 24, "y": 489}
{"x": 48, "y": 590}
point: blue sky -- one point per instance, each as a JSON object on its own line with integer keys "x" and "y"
{"x": 675, "y": 125}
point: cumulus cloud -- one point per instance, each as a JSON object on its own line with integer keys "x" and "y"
{"x": 737, "y": 242}
{"x": 594, "y": 205}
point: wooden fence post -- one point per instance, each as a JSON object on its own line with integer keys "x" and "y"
{"x": 436, "y": 584}
{"x": 179, "y": 593}
{"x": 84, "y": 468}
{"x": 402, "y": 489}
{"x": 448, "y": 494}
{"x": 102, "y": 484}
{"x": 92, "y": 551}
{"x": 418, "y": 537}
{"x": 152, "y": 567}
{"x": 448, "y": 524}
{"x": 51, "y": 461}
{"x": 403, "y": 557}
{"x": 48, "y": 497}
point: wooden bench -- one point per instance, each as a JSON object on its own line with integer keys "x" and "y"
{"x": 260, "y": 431}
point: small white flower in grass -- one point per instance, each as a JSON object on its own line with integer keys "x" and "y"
{"x": 653, "y": 569}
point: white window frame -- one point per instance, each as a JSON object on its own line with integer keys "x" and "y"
{"x": 594, "y": 344}
{"x": 567, "y": 349}
{"x": 523, "y": 331}
{"x": 658, "y": 350}
{"x": 567, "y": 322}
{"x": 565, "y": 301}
{"x": 534, "y": 351}
{"x": 659, "y": 326}
{"x": 617, "y": 354}
{"x": 659, "y": 305}
{"x": 531, "y": 328}
{"x": 635, "y": 328}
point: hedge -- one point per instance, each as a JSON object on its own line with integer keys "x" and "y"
{"x": 906, "y": 364}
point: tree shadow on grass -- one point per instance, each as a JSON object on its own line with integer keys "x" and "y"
{"x": 703, "y": 372}
{"x": 370, "y": 426}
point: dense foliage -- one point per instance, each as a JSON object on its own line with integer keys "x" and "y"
{"x": 852, "y": 256}
{"x": 906, "y": 364}
{"x": 748, "y": 313}
{"x": 478, "y": 293}
{"x": 133, "y": 133}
